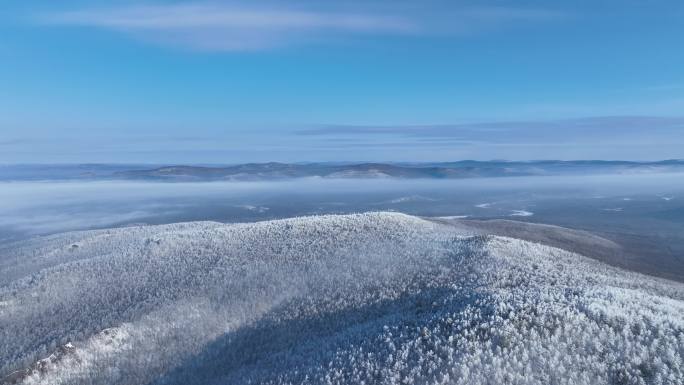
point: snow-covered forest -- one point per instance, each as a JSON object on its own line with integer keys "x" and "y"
{"x": 376, "y": 298}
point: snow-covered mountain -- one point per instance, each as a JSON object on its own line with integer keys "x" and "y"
{"x": 377, "y": 298}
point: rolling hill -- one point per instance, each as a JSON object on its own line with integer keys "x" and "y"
{"x": 376, "y": 298}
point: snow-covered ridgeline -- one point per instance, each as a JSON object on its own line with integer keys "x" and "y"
{"x": 378, "y": 297}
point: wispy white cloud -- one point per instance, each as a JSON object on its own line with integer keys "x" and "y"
{"x": 231, "y": 27}
{"x": 235, "y": 27}
{"x": 586, "y": 128}
{"x": 609, "y": 137}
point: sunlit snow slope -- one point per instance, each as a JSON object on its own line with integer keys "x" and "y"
{"x": 377, "y": 298}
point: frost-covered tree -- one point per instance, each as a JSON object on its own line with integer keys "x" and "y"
{"x": 378, "y": 298}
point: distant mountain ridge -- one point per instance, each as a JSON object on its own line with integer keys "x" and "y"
{"x": 277, "y": 171}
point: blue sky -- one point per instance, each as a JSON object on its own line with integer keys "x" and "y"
{"x": 226, "y": 82}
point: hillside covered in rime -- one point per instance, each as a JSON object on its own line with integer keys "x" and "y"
{"x": 377, "y": 298}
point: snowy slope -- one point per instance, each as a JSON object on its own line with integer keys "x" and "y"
{"x": 372, "y": 298}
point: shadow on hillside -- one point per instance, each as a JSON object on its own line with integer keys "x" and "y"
{"x": 269, "y": 348}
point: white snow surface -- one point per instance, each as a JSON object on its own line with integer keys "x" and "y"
{"x": 521, "y": 213}
{"x": 411, "y": 198}
{"x": 375, "y": 298}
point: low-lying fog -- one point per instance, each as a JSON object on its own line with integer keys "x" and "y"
{"x": 648, "y": 203}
